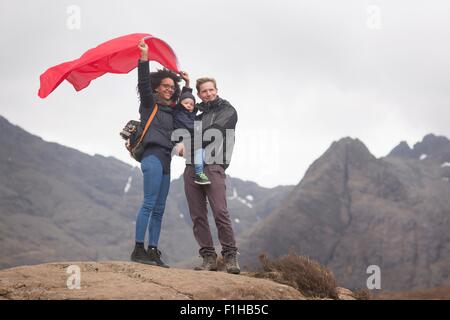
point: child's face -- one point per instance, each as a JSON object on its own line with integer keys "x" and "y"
{"x": 188, "y": 104}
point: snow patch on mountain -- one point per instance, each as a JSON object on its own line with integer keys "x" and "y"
{"x": 246, "y": 201}
{"x": 128, "y": 185}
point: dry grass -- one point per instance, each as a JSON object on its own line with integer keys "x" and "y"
{"x": 306, "y": 275}
{"x": 363, "y": 294}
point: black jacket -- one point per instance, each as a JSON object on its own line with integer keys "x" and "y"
{"x": 183, "y": 119}
{"x": 221, "y": 115}
{"x": 160, "y": 131}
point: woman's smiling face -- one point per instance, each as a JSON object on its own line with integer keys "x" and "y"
{"x": 166, "y": 88}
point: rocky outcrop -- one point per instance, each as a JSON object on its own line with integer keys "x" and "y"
{"x": 126, "y": 280}
{"x": 131, "y": 281}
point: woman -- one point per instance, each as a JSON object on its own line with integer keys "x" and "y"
{"x": 161, "y": 88}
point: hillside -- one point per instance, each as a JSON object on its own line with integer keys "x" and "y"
{"x": 352, "y": 210}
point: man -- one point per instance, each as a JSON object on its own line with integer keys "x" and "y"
{"x": 218, "y": 118}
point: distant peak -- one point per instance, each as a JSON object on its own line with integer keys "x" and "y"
{"x": 402, "y": 150}
{"x": 434, "y": 141}
{"x": 432, "y": 145}
{"x": 352, "y": 146}
{"x": 347, "y": 151}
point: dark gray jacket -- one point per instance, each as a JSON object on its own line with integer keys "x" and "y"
{"x": 219, "y": 114}
{"x": 161, "y": 128}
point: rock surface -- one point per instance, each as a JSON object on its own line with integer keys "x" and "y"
{"x": 127, "y": 280}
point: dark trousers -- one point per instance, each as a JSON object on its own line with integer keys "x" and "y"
{"x": 196, "y": 197}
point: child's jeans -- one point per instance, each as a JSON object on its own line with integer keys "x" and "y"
{"x": 199, "y": 154}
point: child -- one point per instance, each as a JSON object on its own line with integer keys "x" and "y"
{"x": 184, "y": 117}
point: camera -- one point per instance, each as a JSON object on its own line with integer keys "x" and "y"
{"x": 130, "y": 128}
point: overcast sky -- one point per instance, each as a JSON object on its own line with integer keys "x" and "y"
{"x": 301, "y": 74}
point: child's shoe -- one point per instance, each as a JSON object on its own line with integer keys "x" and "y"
{"x": 201, "y": 178}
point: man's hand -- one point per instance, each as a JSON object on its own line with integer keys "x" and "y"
{"x": 144, "y": 50}
{"x": 185, "y": 76}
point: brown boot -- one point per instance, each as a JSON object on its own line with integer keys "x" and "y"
{"x": 209, "y": 263}
{"x": 231, "y": 263}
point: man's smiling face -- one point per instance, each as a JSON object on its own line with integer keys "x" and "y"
{"x": 207, "y": 91}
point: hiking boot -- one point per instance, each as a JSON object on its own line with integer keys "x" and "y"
{"x": 154, "y": 255}
{"x": 231, "y": 263}
{"x": 201, "y": 178}
{"x": 209, "y": 263}
{"x": 140, "y": 255}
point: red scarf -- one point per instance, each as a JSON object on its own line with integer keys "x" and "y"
{"x": 119, "y": 55}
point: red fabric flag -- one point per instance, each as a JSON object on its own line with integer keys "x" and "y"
{"x": 119, "y": 55}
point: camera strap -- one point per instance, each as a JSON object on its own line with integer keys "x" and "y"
{"x": 147, "y": 125}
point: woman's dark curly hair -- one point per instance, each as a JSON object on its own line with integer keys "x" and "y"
{"x": 157, "y": 76}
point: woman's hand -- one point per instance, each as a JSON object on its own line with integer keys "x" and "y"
{"x": 185, "y": 76}
{"x": 144, "y": 50}
{"x": 179, "y": 149}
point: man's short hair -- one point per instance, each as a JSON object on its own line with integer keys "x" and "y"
{"x": 203, "y": 80}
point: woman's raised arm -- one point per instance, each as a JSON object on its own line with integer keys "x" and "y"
{"x": 144, "y": 83}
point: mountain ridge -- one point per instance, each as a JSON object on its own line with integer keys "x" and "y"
{"x": 352, "y": 210}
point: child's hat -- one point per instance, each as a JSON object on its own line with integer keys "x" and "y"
{"x": 186, "y": 95}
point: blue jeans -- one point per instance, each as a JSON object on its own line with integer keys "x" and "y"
{"x": 156, "y": 189}
{"x": 199, "y": 155}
